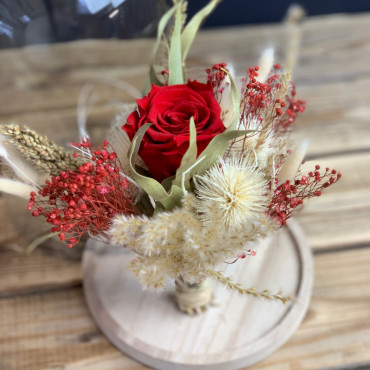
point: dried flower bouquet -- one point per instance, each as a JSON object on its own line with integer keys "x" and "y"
{"x": 197, "y": 174}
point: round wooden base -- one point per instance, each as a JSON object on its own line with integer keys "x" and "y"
{"x": 235, "y": 332}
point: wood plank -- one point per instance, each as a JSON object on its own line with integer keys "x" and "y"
{"x": 50, "y": 266}
{"x": 336, "y": 330}
{"x": 324, "y": 55}
{"x": 53, "y": 95}
{"x": 41, "y": 78}
{"x": 45, "y": 269}
{"x": 60, "y": 125}
{"x": 341, "y": 215}
{"x": 54, "y": 329}
{"x": 8, "y": 231}
{"x": 336, "y": 118}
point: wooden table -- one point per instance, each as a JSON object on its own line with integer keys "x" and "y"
{"x": 44, "y": 321}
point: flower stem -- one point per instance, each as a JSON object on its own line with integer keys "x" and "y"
{"x": 250, "y": 291}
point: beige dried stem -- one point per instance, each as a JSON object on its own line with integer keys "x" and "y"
{"x": 293, "y": 162}
{"x": 293, "y": 18}
{"x": 265, "y": 64}
{"x": 250, "y": 291}
{"x": 17, "y": 188}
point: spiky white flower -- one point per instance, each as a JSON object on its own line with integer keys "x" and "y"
{"x": 231, "y": 191}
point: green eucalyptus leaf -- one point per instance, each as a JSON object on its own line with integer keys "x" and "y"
{"x": 159, "y": 207}
{"x": 167, "y": 182}
{"x": 151, "y": 186}
{"x": 216, "y": 149}
{"x": 152, "y": 77}
{"x": 174, "y": 56}
{"x": 188, "y": 159}
{"x": 160, "y": 31}
{"x": 192, "y": 27}
{"x": 173, "y": 199}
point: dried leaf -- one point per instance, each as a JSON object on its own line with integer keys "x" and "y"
{"x": 150, "y": 185}
{"x": 174, "y": 56}
{"x": 16, "y": 188}
{"x": 192, "y": 27}
{"x": 188, "y": 160}
{"x": 235, "y": 103}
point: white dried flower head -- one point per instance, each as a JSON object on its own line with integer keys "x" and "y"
{"x": 232, "y": 191}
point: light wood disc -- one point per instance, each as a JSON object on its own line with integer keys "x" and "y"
{"x": 235, "y": 332}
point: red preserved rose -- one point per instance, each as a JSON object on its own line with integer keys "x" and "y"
{"x": 169, "y": 109}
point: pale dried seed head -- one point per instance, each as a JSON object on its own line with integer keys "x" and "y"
{"x": 39, "y": 150}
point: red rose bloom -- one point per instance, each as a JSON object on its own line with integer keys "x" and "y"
{"x": 169, "y": 109}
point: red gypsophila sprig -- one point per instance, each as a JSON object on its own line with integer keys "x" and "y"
{"x": 288, "y": 196}
{"x": 256, "y": 96}
{"x": 216, "y": 77}
{"x": 86, "y": 200}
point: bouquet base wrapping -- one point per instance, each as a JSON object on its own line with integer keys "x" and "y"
{"x": 234, "y": 332}
{"x": 193, "y": 298}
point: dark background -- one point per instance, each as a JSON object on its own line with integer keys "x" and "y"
{"x": 234, "y": 12}
{"x": 25, "y": 22}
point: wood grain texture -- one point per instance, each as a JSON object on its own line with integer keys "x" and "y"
{"x": 54, "y": 328}
{"x": 336, "y": 330}
{"x": 44, "y": 322}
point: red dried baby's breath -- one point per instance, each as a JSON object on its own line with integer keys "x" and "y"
{"x": 256, "y": 96}
{"x": 270, "y": 106}
{"x": 289, "y": 195}
{"x": 86, "y": 200}
{"x": 216, "y": 77}
{"x": 294, "y": 107}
